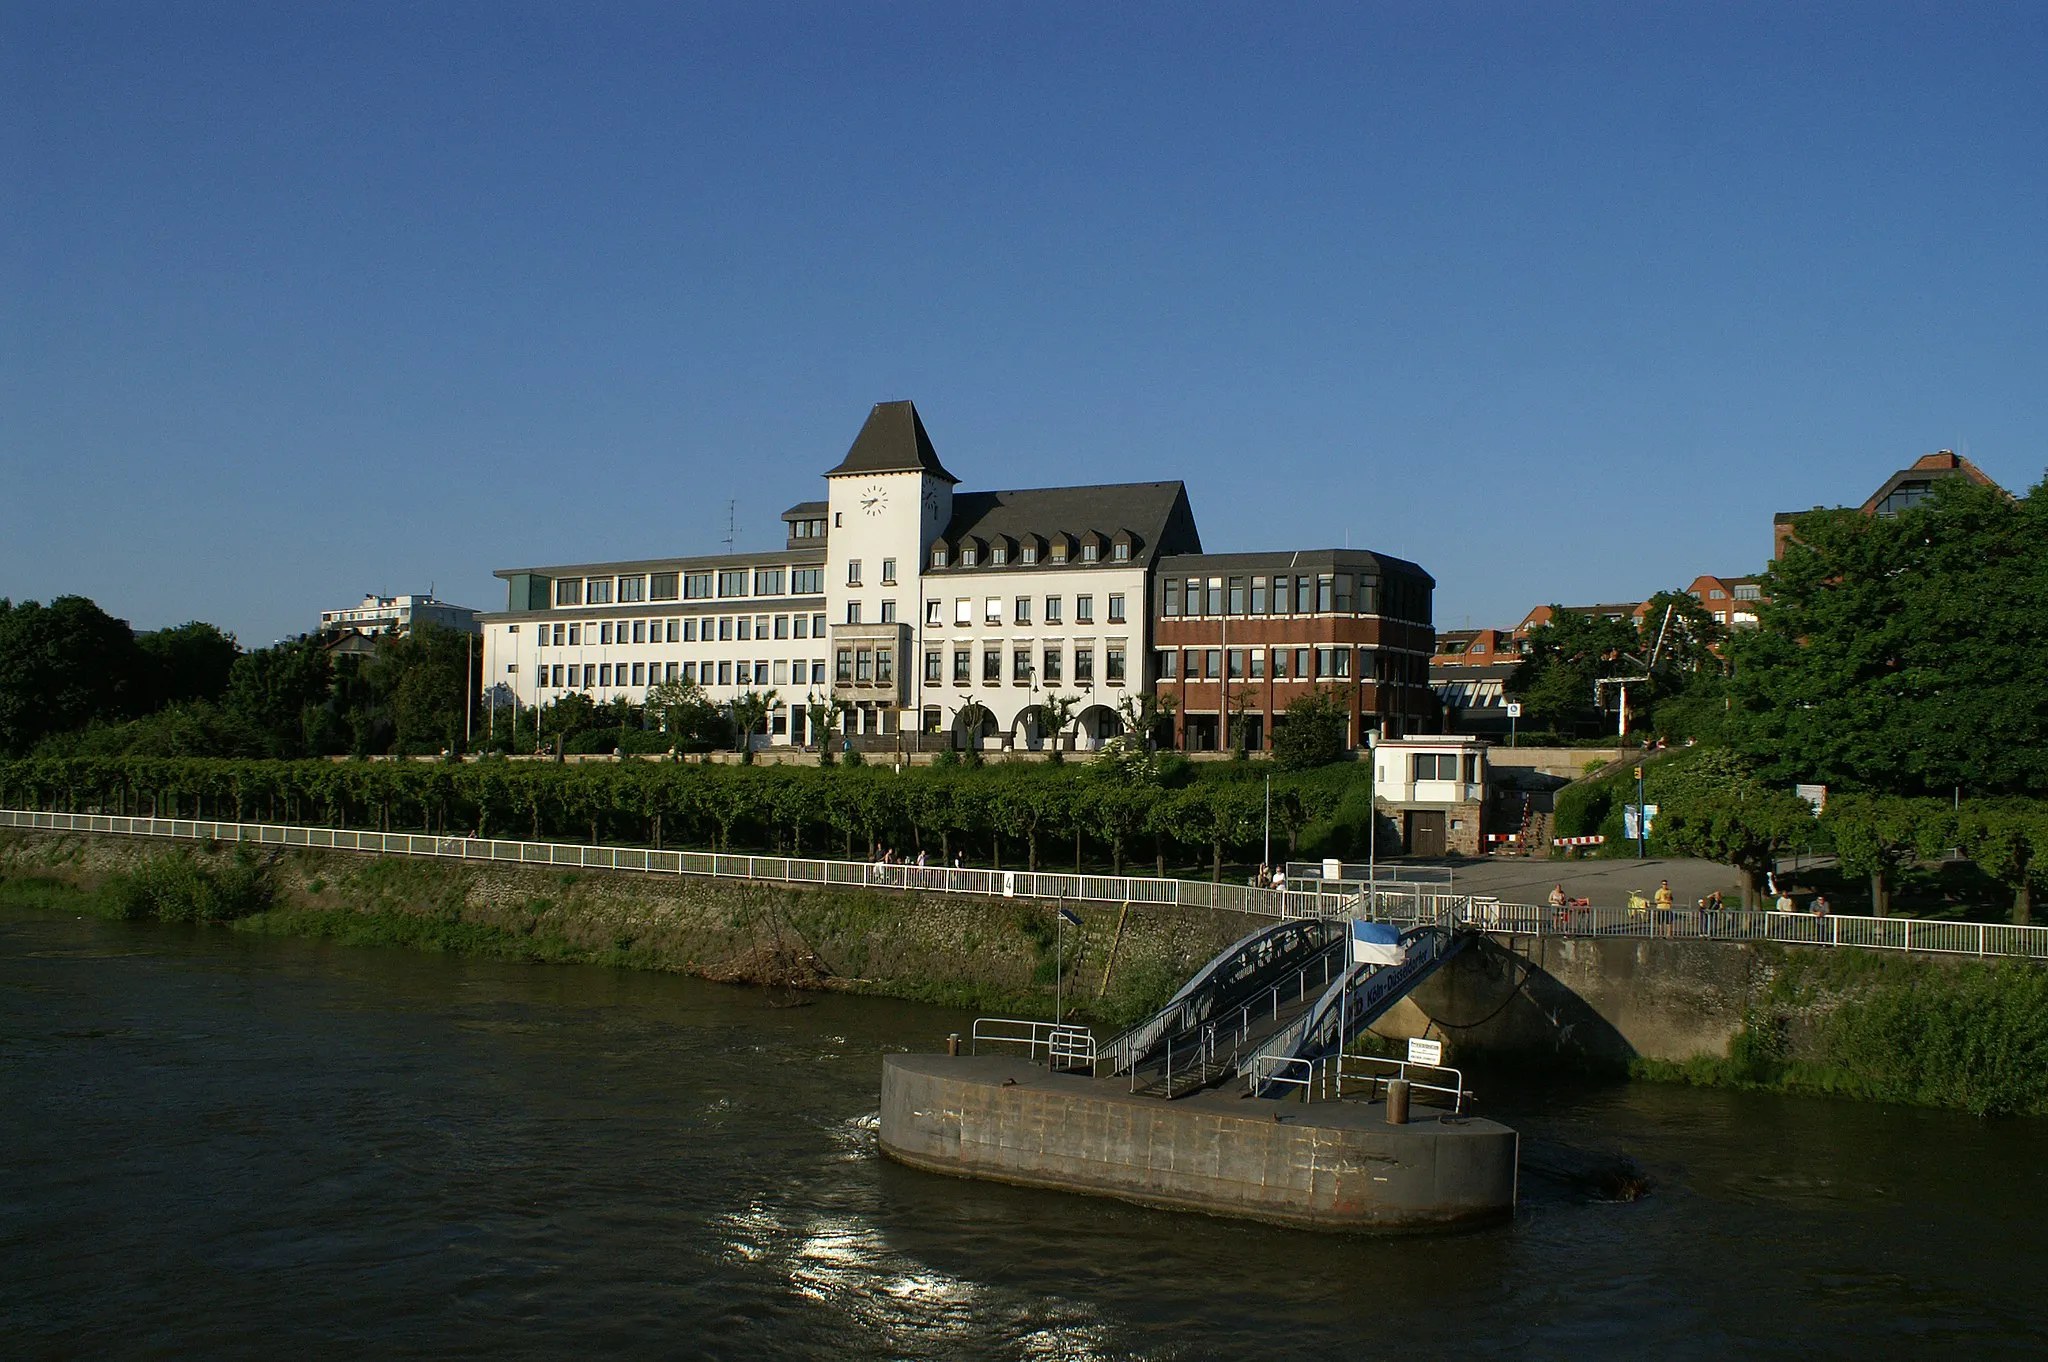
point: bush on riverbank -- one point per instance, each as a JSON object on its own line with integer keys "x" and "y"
{"x": 177, "y": 888}
{"x": 1958, "y": 1034}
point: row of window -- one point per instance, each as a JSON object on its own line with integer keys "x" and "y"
{"x": 865, "y": 666}
{"x": 1323, "y": 593}
{"x": 1020, "y": 610}
{"x": 807, "y": 529}
{"x": 1048, "y": 667}
{"x": 610, "y": 675}
{"x": 689, "y": 586}
{"x": 853, "y": 572}
{"x": 1444, "y": 766}
{"x": 1057, "y": 553}
{"x": 722, "y": 628}
{"x": 1299, "y": 664}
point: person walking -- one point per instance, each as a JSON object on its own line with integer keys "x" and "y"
{"x": 1662, "y": 901}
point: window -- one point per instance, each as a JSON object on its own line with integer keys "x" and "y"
{"x": 576, "y": 675}
{"x": 1301, "y": 663}
{"x": 992, "y": 610}
{"x": 1113, "y": 664}
{"x": 888, "y": 612}
{"x": 781, "y": 673}
{"x": 662, "y": 586}
{"x": 1435, "y": 765}
{"x": 1091, "y": 552}
{"x": 569, "y": 591}
{"x": 818, "y": 671}
{"x": 575, "y": 634}
{"x": 800, "y": 625}
{"x": 939, "y": 556}
{"x": 782, "y": 626}
{"x": 1233, "y": 662}
{"x": 1258, "y": 664}
{"x": 1029, "y": 555}
{"x": 604, "y": 632}
{"x": 843, "y": 665}
{"x": 807, "y": 581}
{"x": 1022, "y": 608}
{"x": 673, "y": 627}
{"x": 817, "y": 626}
{"x": 1020, "y": 666}
{"x": 604, "y": 674}
{"x": 1194, "y": 596}
{"x": 1258, "y": 595}
{"x": 639, "y": 673}
{"x": 733, "y": 583}
{"x": 1748, "y": 591}
{"x": 1368, "y": 596}
{"x": 767, "y": 581}
{"x": 1279, "y": 664}
{"x": 1343, "y": 593}
{"x": 992, "y": 667}
{"x": 746, "y": 628}
{"x": 888, "y": 572}
{"x": 934, "y": 613}
{"x": 934, "y": 667}
{"x": 725, "y": 628}
{"x": 853, "y": 572}
{"x": 690, "y": 631}
{"x": 1052, "y": 609}
{"x": 597, "y": 591}
{"x": 885, "y": 666}
{"x": 1717, "y": 594}
{"x": 968, "y": 557}
{"x": 1059, "y": 550}
{"x": 671, "y": 674}
{"x": 639, "y": 631}
{"x": 1212, "y": 663}
{"x": 1084, "y": 610}
{"x": 962, "y": 667}
{"x": 1084, "y": 666}
{"x": 1121, "y": 552}
{"x": 1215, "y": 606}
{"x": 963, "y": 611}
{"x": 1169, "y": 664}
{"x": 1471, "y": 760}
{"x": 1055, "y": 665}
{"x": 1326, "y": 594}
{"x": 999, "y": 555}
{"x": 1116, "y": 608}
{"x": 689, "y": 671}
{"x": 1172, "y": 607}
{"x": 696, "y": 586}
{"x": 558, "y": 674}
{"x": 725, "y": 673}
{"x": 853, "y": 612}
{"x": 558, "y": 636}
{"x": 1236, "y": 601}
{"x": 632, "y": 590}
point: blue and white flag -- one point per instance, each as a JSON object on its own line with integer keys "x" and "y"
{"x": 1376, "y": 943}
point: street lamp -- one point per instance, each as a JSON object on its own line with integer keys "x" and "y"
{"x": 1059, "y": 977}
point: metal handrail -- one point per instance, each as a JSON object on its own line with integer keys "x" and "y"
{"x": 1061, "y": 1041}
{"x": 1401, "y": 904}
{"x": 1274, "y": 1062}
{"x": 1457, "y": 1092}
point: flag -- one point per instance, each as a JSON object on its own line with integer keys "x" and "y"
{"x": 1376, "y": 943}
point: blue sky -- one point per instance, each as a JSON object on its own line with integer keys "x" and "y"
{"x": 1562, "y": 301}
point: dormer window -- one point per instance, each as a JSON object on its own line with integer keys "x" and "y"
{"x": 939, "y": 556}
{"x": 968, "y": 557}
{"x": 1120, "y": 551}
{"x": 1059, "y": 550}
{"x": 998, "y": 556}
{"x": 1029, "y": 555}
{"x": 1091, "y": 552}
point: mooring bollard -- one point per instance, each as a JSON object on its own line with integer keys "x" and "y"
{"x": 953, "y": 1043}
{"x": 1397, "y": 1102}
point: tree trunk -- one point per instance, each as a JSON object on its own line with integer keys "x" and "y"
{"x": 997, "y": 843}
{"x": 1077, "y": 851}
{"x": 1032, "y": 861}
{"x": 1751, "y": 890}
{"x": 1216, "y": 862}
{"x": 1116, "y": 858}
{"x": 2023, "y": 904}
{"x": 1880, "y": 895}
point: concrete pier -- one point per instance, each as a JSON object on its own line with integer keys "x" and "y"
{"x": 1320, "y": 1165}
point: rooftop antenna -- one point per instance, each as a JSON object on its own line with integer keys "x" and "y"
{"x": 731, "y": 520}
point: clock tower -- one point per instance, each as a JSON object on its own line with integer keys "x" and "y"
{"x": 888, "y": 500}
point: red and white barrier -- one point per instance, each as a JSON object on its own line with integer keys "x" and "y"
{"x": 1593, "y": 841}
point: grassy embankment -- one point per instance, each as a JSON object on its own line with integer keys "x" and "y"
{"x": 1963, "y": 1034}
{"x": 995, "y": 957}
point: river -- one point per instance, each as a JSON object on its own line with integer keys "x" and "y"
{"x": 229, "y": 1145}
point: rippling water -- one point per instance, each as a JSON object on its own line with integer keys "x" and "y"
{"x": 222, "y": 1145}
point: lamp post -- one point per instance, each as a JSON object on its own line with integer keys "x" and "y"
{"x": 1372, "y": 819}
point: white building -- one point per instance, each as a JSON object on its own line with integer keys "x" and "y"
{"x": 397, "y": 615}
{"x": 904, "y": 598}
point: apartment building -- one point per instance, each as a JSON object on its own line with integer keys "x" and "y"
{"x": 1902, "y": 490}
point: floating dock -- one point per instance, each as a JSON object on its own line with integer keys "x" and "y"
{"x": 1334, "y": 1165}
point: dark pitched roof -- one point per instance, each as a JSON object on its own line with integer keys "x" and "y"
{"x": 1155, "y": 514}
{"x": 892, "y": 441}
{"x": 1353, "y": 559}
{"x": 804, "y": 510}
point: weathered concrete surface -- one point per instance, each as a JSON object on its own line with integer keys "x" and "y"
{"x": 1328, "y": 1166}
{"x": 1588, "y": 1001}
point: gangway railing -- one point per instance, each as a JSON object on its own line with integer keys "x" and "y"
{"x": 1379, "y": 1070}
{"x": 1063, "y": 1044}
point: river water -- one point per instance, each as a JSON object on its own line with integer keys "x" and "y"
{"x": 224, "y": 1145}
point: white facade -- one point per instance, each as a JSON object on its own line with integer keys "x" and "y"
{"x": 1442, "y": 770}
{"x": 398, "y": 614}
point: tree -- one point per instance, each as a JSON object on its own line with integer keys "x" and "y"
{"x": 1880, "y": 835}
{"x": 1055, "y": 715}
{"x": 1748, "y": 827}
{"x": 822, "y": 714}
{"x": 62, "y": 666}
{"x": 1237, "y": 705}
{"x": 1314, "y": 731}
{"x": 1144, "y": 713}
{"x": 1567, "y": 653}
{"x": 750, "y": 710}
{"x": 192, "y": 661}
{"x": 1903, "y": 653}
{"x": 684, "y": 712}
{"x": 276, "y": 690}
{"x": 2008, "y": 839}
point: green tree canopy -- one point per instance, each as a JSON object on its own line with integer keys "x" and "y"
{"x": 62, "y": 666}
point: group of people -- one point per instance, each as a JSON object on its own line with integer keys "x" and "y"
{"x": 1270, "y": 877}
{"x": 890, "y": 866}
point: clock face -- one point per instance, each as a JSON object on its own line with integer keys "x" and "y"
{"x": 931, "y": 501}
{"x": 874, "y": 498}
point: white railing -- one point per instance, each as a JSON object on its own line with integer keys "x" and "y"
{"x": 1376, "y": 1072}
{"x": 1404, "y": 904}
{"x": 1063, "y": 1044}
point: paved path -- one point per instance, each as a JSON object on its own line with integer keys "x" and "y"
{"x": 1606, "y": 883}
